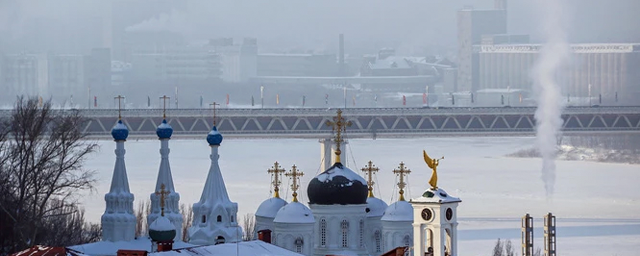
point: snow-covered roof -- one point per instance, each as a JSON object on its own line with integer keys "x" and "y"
{"x": 105, "y": 248}
{"x": 270, "y": 207}
{"x": 390, "y": 62}
{"x": 40, "y": 250}
{"x": 436, "y": 196}
{"x": 376, "y": 207}
{"x": 252, "y": 248}
{"x": 295, "y": 212}
{"x": 398, "y": 211}
{"x": 162, "y": 224}
{"x": 340, "y": 170}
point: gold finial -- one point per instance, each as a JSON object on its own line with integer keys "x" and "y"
{"x": 370, "y": 169}
{"x": 276, "y": 173}
{"x": 295, "y": 175}
{"x": 214, "y": 104}
{"x": 338, "y": 125}
{"x": 433, "y": 164}
{"x": 119, "y": 97}
{"x": 401, "y": 172}
{"x": 164, "y": 106}
{"x": 162, "y": 194}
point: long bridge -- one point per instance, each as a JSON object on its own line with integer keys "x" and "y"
{"x": 366, "y": 122}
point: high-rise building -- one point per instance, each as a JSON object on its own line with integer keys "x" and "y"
{"x": 24, "y": 74}
{"x": 472, "y": 25}
{"x": 66, "y": 77}
{"x": 239, "y": 61}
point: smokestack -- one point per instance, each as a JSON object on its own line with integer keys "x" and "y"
{"x": 341, "y": 55}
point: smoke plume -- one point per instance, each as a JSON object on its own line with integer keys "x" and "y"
{"x": 553, "y": 55}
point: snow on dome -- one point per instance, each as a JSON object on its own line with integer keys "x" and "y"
{"x": 214, "y": 137}
{"x": 436, "y": 196}
{"x": 375, "y": 207}
{"x": 162, "y": 223}
{"x": 295, "y": 212}
{"x": 398, "y": 211}
{"x": 270, "y": 207}
{"x": 337, "y": 185}
{"x": 120, "y": 131}
{"x": 164, "y": 130}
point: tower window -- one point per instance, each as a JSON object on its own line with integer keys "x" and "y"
{"x": 407, "y": 240}
{"x": 378, "y": 239}
{"x": 344, "y": 226}
{"x": 323, "y": 232}
{"x": 298, "y": 243}
{"x": 231, "y": 218}
{"x": 204, "y": 218}
{"x": 219, "y": 219}
{"x": 361, "y": 233}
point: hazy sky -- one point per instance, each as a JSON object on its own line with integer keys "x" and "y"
{"x": 77, "y": 25}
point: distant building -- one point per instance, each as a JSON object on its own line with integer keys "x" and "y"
{"x": 472, "y": 25}
{"x": 24, "y": 74}
{"x": 239, "y": 61}
{"x": 312, "y": 65}
{"x": 609, "y": 69}
{"x": 387, "y": 64}
{"x": 178, "y": 64}
{"x": 66, "y": 76}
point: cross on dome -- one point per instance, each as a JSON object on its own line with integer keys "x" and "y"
{"x": 338, "y": 125}
{"x": 295, "y": 175}
{"x": 214, "y": 104}
{"x": 276, "y": 173}
{"x": 401, "y": 172}
{"x": 163, "y": 193}
{"x": 370, "y": 169}
{"x": 164, "y": 99}
{"x": 119, "y": 97}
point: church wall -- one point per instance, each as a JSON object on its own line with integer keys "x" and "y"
{"x": 286, "y": 234}
{"x": 335, "y": 215}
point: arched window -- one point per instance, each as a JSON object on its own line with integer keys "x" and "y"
{"x": 361, "y": 233}
{"x": 323, "y": 232}
{"x": 219, "y": 219}
{"x": 298, "y": 243}
{"x": 344, "y": 226}
{"x": 204, "y": 218}
{"x": 378, "y": 239}
{"x": 231, "y": 218}
{"x": 407, "y": 240}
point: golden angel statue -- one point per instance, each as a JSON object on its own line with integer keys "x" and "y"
{"x": 433, "y": 164}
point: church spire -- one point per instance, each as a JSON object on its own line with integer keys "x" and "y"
{"x": 295, "y": 175}
{"x": 118, "y": 221}
{"x": 401, "y": 172}
{"x": 165, "y": 179}
{"x": 369, "y": 170}
{"x": 338, "y": 125}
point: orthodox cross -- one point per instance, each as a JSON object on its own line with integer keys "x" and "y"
{"x": 276, "y": 172}
{"x": 401, "y": 172}
{"x": 295, "y": 175}
{"x": 119, "y": 97}
{"x": 338, "y": 125}
{"x": 214, "y": 104}
{"x": 162, "y": 194}
{"x": 370, "y": 169}
{"x": 164, "y": 105}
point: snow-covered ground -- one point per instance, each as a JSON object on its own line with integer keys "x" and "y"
{"x": 597, "y": 204}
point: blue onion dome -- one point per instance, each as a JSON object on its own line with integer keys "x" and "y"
{"x": 214, "y": 137}
{"x": 164, "y": 130}
{"x": 120, "y": 131}
{"x": 337, "y": 185}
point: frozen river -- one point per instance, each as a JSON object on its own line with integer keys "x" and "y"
{"x": 597, "y": 204}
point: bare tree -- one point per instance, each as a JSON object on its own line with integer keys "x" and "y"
{"x": 187, "y": 213}
{"x": 249, "y": 227}
{"x": 42, "y": 169}
{"x": 498, "y": 250}
{"x": 508, "y": 249}
{"x": 538, "y": 252}
{"x": 141, "y": 212}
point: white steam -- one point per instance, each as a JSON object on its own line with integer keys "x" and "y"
{"x": 553, "y": 55}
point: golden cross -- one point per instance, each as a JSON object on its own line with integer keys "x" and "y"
{"x": 338, "y": 125}
{"x": 295, "y": 175}
{"x": 214, "y": 104}
{"x": 401, "y": 172}
{"x": 119, "y": 108}
{"x": 276, "y": 172}
{"x": 162, "y": 194}
{"x": 164, "y": 106}
{"x": 370, "y": 169}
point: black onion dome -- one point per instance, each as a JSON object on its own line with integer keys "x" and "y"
{"x": 337, "y": 185}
